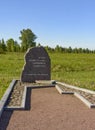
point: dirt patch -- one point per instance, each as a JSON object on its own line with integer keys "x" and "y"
{"x": 48, "y": 110}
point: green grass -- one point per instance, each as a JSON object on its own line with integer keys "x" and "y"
{"x": 75, "y": 69}
{"x": 10, "y": 68}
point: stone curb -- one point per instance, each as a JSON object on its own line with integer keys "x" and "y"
{"x": 45, "y": 81}
{"x": 78, "y": 95}
{"x": 83, "y": 99}
{"x": 24, "y": 98}
{"x": 77, "y": 88}
{"x": 6, "y": 95}
{"x": 61, "y": 91}
{"x": 43, "y": 86}
{"x": 58, "y": 89}
{"x": 23, "y": 102}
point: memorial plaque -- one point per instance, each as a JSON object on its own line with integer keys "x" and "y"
{"x": 37, "y": 65}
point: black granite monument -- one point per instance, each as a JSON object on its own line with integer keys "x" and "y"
{"x": 37, "y": 66}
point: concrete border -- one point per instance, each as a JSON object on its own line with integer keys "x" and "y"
{"x": 22, "y": 107}
{"x": 10, "y": 88}
{"x": 59, "y": 89}
{"x": 24, "y": 98}
{"x": 45, "y": 81}
{"x": 41, "y": 86}
{"x": 6, "y": 95}
{"x": 22, "y": 102}
{"x": 85, "y": 101}
{"x": 77, "y": 88}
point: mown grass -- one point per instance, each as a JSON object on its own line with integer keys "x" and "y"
{"x": 75, "y": 69}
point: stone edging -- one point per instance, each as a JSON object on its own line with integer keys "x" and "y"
{"x": 90, "y": 105}
{"x": 58, "y": 89}
{"x": 83, "y": 99}
{"x": 23, "y": 101}
{"x": 10, "y": 88}
{"x": 77, "y": 88}
{"x": 6, "y": 95}
{"x": 61, "y": 91}
{"x": 24, "y": 97}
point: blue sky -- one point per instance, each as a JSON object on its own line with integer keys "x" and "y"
{"x": 55, "y": 22}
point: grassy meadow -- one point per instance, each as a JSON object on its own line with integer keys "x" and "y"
{"x": 75, "y": 69}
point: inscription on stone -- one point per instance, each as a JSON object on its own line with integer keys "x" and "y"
{"x": 37, "y": 66}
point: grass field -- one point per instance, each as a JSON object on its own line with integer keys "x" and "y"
{"x": 75, "y": 69}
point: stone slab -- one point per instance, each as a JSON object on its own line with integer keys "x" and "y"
{"x": 77, "y": 88}
{"x": 59, "y": 89}
{"x": 37, "y": 65}
{"x": 84, "y": 100}
{"x": 23, "y": 102}
{"x": 5, "y": 96}
{"x": 90, "y": 105}
{"x": 34, "y": 87}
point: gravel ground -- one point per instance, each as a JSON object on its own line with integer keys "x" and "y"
{"x": 16, "y": 95}
{"x": 87, "y": 96}
{"x": 46, "y": 109}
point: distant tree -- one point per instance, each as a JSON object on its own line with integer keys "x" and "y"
{"x": 39, "y": 44}
{"x": 49, "y": 49}
{"x": 75, "y": 50}
{"x": 2, "y": 46}
{"x": 58, "y": 48}
{"x": 93, "y": 51}
{"x": 16, "y": 47}
{"x": 1, "y": 50}
{"x": 10, "y": 45}
{"x": 69, "y": 50}
{"x": 84, "y": 51}
{"x": 65, "y": 50}
{"x": 27, "y": 39}
{"x": 80, "y": 50}
{"x": 87, "y": 50}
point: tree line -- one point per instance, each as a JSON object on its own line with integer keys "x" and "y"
{"x": 28, "y": 38}
{"x": 69, "y": 49}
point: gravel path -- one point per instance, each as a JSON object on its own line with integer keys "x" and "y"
{"x": 48, "y": 110}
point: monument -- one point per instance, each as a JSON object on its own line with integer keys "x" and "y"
{"x": 37, "y": 65}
